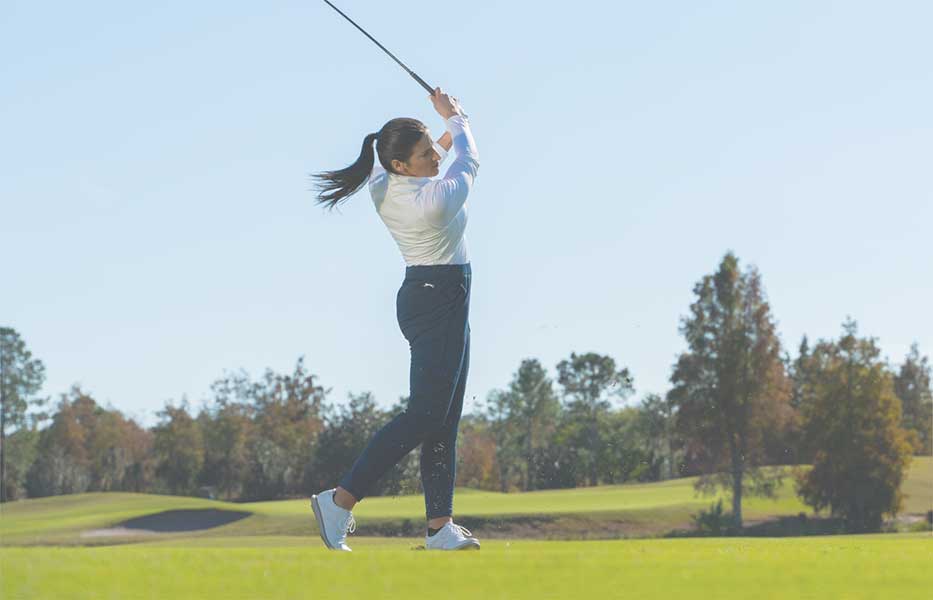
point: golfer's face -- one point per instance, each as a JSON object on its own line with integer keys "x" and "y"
{"x": 424, "y": 160}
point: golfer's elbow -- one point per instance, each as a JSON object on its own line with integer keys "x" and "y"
{"x": 470, "y": 164}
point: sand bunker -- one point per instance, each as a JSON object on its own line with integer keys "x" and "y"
{"x": 117, "y": 532}
{"x": 170, "y": 521}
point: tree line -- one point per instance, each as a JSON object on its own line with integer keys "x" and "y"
{"x": 738, "y": 404}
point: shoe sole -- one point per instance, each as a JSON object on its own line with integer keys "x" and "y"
{"x": 468, "y": 545}
{"x": 316, "y": 507}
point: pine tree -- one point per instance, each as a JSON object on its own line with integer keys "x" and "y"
{"x": 589, "y": 380}
{"x": 730, "y": 387}
{"x": 912, "y": 386}
{"x": 21, "y": 377}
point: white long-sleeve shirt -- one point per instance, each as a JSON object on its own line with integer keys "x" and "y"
{"x": 427, "y": 217}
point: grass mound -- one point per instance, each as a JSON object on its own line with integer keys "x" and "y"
{"x": 601, "y": 512}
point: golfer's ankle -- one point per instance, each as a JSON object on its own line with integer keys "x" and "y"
{"x": 344, "y": 499}
{"x": 438, "y": 522}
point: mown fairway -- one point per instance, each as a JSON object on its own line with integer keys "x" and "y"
{"x": 275, "y": 552}
{"x": 871, "y": 567}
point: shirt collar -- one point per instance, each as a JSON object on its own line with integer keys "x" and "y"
{"x": 408, "y": 178}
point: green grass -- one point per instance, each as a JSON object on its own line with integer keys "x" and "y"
{"x": 276, "y": 553}
{"x": 646, "y": 509}
{"x": 852, "y": 567}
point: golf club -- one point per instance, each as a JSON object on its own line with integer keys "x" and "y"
{"x": 410, "y": 72}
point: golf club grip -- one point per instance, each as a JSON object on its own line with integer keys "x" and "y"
{"x": 430, "y": 90}
{"x": 422, "y": 82}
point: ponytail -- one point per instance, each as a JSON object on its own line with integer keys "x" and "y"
{"x": 396, "y": 140}
{"x": 337, "y": 185}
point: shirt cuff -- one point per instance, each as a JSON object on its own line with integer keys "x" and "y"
{"x": 440, "y": 150}
{"x": 456, "y": 124}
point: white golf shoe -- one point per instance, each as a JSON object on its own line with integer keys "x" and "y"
{"x": 333, "y": 521}
{"x": 451, "y": 537}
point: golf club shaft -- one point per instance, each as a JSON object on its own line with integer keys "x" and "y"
{"x": 410, "y": 72}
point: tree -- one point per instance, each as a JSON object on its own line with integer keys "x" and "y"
{"x": 524, "y": 418}
{"x": 505, "y": 433}
{"x": 476, "y": 454}
{"x": 912, "y": 386}
{"x": 287, "y": 412}
{"x": 108, "y": 440}
{"x": 178, "y": 448}
{"x": 558, "y": 461}
{"x": 21, "y": 377}
{"x": 852, "y": 428}
{"x": 589, "y": 381}
{"x": 21, "y": 451}
{"x": 228, "y": 430}
{"x": 800, "y": 373}
{"x": 623, "y": 456}
{"x": 260, "y": 435}
{"x": 730, "y": 386}
{"x": 88, "y": 448}
{"x": 63, "y": 464}
{"x": 140, "y": 474}
{"x": 656, "y": 428}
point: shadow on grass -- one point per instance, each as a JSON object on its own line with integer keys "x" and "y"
{"x": 490, "y": 526}
{"x": 801, "y": 525}
{"x": 570, "y": 527}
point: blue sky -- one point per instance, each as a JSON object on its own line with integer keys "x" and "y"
{"x": 158, "y": 227}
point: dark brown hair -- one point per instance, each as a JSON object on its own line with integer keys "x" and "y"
{"x": 396, "y": 140}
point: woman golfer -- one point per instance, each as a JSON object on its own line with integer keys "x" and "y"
{"x": 427, "y": 218}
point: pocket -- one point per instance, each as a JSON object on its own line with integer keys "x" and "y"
{"x": 425, "y": 295}
{"x": 416, "y": 297}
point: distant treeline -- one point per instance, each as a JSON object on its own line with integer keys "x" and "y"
{"x": 737, "y": 402}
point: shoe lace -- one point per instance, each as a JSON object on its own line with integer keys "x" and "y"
{"x": 463, "y": 530}
{"x": 350, "y": 524}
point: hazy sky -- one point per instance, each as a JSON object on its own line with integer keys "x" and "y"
{"x": 158, "y": 225}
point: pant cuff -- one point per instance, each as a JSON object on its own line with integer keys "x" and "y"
{"x": 359, "y": 496}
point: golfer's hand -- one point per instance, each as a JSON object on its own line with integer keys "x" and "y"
{"x": 445, "y": 105}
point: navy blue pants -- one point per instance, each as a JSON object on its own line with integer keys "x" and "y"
{"x": 432, "y": 307}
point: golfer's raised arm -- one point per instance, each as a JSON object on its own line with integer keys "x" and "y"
{"x": 445, "y": 142}
{"x": 443, "y": 199}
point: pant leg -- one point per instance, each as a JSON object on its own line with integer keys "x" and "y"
{"x": 397, "y": 438}
{"x": 439, "y": 451}
{"x": 434, "y": 321}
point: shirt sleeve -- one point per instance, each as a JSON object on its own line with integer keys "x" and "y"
{"x": 440, "y": 150}
{"x": 442, "y": 199}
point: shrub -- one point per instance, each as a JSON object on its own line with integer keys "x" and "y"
{"x": 714, "y": 521}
